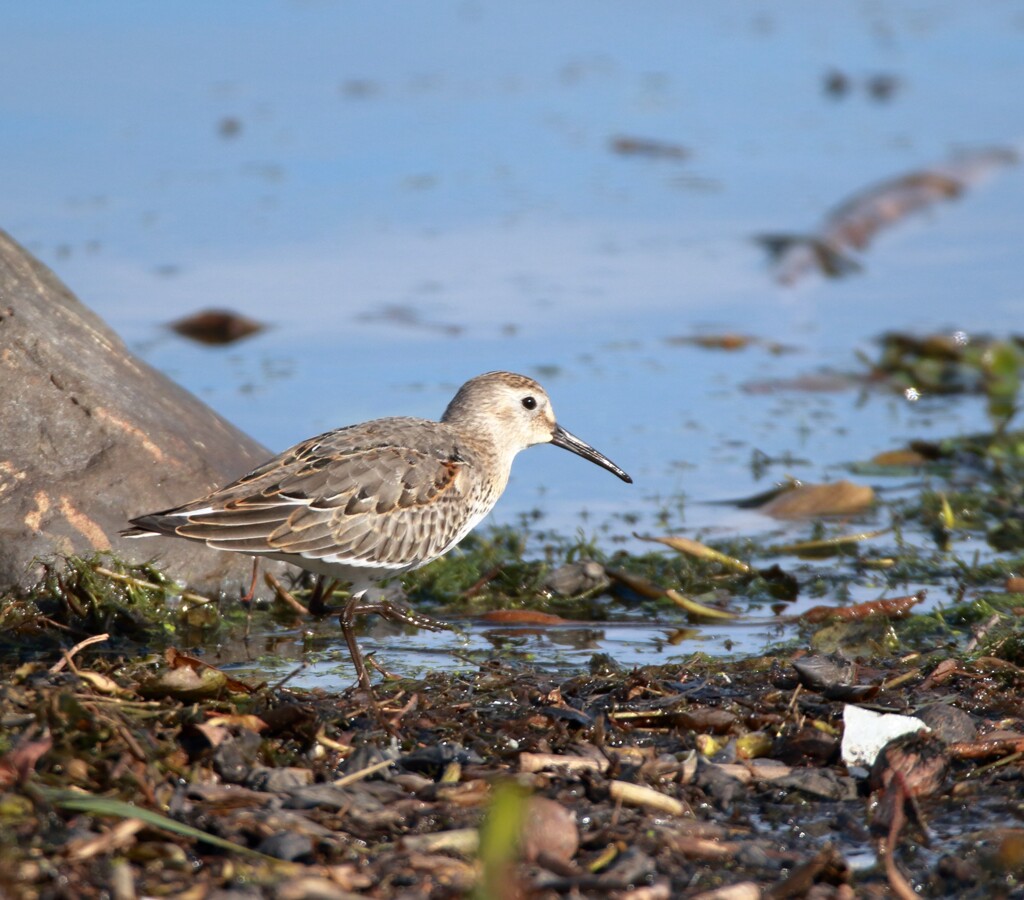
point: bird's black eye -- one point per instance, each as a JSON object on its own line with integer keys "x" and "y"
{"x": 530, "y": 402}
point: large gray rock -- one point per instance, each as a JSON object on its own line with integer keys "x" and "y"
{"x": 90, "y": 436}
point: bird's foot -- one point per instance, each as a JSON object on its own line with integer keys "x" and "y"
{"x": 396, "y": 611}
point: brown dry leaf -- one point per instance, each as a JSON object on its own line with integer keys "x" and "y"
{"x": 186, "y": 684}
{"x": 892, "y": 608}
{"x": 986, "y": 747}
{"x": 638, "y": 585}
{"x": 827, "y": 866}
{"x": 648, "y": 589}
{"x": 945, "y": 670}
{"x": 18, "y": 763}
{"x": 522, "y": 617}
{"x": 836, "y": 498}
{"x": 251, "y": 722}
{"x": 906, "y": 457}
{"x": 1010, "y": 852}
{"x": 706, "y": 719}
{"x": 102, "y": 683}
{"x": 177, "y": 660}
{"x": 215, "y": 734}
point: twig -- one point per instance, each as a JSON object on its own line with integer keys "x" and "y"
{"x": 346, "y": 780}
{"x": 283, "y": 594}
{"x": 477, "y": 586}
{"x": 149, "y": 585}
{"x": 979, "y": 635}
{"x": 68, "y": 654}
{"x": 280, "y": 684}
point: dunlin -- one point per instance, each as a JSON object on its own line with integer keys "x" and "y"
{"x": 367, "y": 502}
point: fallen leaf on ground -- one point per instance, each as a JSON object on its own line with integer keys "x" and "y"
{"x": 701, "y": 551}
{"x": 177, "y": 660}
{"x": 836, "y": 498}
{"x": 700, "y": 610}
{"x": 830, "y": 546}
{"x": 891, "y": 608}
{"x": 18, "y": 763}
{"x": 906, "y": 457}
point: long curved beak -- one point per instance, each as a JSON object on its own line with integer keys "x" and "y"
{"x": 564, "y": 439}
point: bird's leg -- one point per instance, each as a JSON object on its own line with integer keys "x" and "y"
{"x": 389, "y": 604}
{"x": 248, "y": 596}
{"x": 246, "y": 599}
{"x": 347, "y": 619}
{"x": 323, "y": 589}
{"x": 392, "y": 609}
{"x": 355, "y": 605}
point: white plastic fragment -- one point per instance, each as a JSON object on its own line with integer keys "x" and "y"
{"x": 865, "y": 733}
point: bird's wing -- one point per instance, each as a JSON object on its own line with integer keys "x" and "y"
{"x": 363, "y": 496}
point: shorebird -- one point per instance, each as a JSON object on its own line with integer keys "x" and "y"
{"x": 367, "y": 502}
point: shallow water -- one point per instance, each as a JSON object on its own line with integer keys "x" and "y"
{"x": 411, "y": 195}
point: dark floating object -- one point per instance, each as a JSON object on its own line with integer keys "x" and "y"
{"x": 409, "y": 317}
{"x": 836, "y": 83}
{"x": 216, "y": 326}
{"x": 854, "y": 223}
{"x": 880, "y": 86}
{"x": 653, "y": 149}
{"x": 229, "y": 127}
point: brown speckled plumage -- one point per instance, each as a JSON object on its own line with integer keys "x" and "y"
{"x": 390, "y": 494}
{"x": 361, "y": 503}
